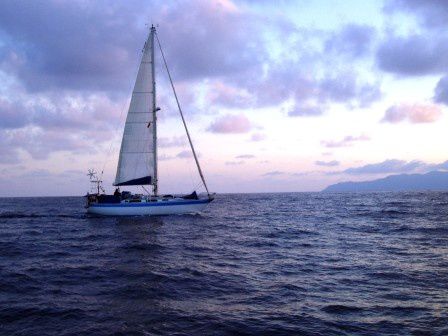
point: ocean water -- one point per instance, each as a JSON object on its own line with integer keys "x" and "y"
{"x": 256, "y": 264}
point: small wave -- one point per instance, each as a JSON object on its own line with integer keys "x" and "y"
{"x": 141, "y": 247}
{"x": 294, "y": 288}
{"x": 12, "y": 314}
{"x": 400, "y": 228}
{"x": 19, "y": 283}
{"x": 259, "y": 244}
{"x": 432, "y": 230}
{"x": 11, "y": 248}
{"x": 405, "y": 310}
{"x": 342, "y": 309}
{"x": 13, "y": 215}
{"x": 394, "y": 212}
{"x": 387, "y": 275}
{"x": 192, "y": 271}
{"x": 197, "y": 248}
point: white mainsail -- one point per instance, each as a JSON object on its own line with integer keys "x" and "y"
{"x": 137, "y": 164}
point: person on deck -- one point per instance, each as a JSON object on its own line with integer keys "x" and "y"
{"x": 117, "y": 192}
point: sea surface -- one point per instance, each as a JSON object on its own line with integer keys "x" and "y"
{"x": 251, "y": 264}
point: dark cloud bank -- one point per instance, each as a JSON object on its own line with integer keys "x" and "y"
{"x": 420, "y": 53}
{"x": 55, "y": 51}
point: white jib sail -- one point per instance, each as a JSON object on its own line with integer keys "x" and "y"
{"x": 136, "y": 161}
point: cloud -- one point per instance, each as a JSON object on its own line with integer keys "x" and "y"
{"x": 346, "y": 87}
{"x": 441, "y": 91}
{"x": 45, "y": 124}
{"x": 257, "y": 137}
{"x": 387, "y": 166}
{"x": 432, "y": 14}
{"x": 8, "y": 153}
{"x": 279, "y": 82}
{"x": 333, "y": 163}
{"x": 13, "y": 115}
{"x": 308, "y": 77}
{"x": 245, "y": 156}
{"x": 311, "y": 90}
{"x": 79, "y": 112}
{"x": 234, "y": 163}
{"x": 416, "y": 114}
{"x": 414, "y": 55}
{"x": 83, "y": 113}
{"x": 164, "y": 157}
{"x": 393, "y": 166}
{"x": 228, "y": 51}
{"x": 186, "y": 154}
{"x": 352, "y": 40}
{"x": 274, "y": 173}
{"x": 231, "y": 124}
{"x": 40, "y": 144}
{"x": 176, "y": 141}
{"x": 285, "y": 175}
{"x": 305, "y": 111}
{"x": 441, "y": 166}
{"x": 40, "y": 174}
{"x": 72, "y": 56}
{"x": 227, "y": 95}
{"x": 345, "y": 142}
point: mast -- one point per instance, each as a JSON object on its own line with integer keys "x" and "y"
{"x": 154, "y": 111}
{"x": 183, "y": 119}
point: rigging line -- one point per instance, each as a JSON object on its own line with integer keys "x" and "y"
{"x": 182, "y": 116}
{"x": 196, "y": 186}
{"x": 189, "y": 164}
{"x": 111, "y": 149}
{"x": 146, "y": 190}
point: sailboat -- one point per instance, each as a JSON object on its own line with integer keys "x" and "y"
{"x": 137, "y": 164}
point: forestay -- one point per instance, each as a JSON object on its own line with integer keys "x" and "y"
{"x": 136, "y": 163}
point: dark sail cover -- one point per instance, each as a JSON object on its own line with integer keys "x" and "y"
{"x": 138, "y": 181}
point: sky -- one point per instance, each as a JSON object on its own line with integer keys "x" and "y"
{"x": 279, "y": 96}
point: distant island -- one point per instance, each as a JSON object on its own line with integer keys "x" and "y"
{"x": 435, "y": 180}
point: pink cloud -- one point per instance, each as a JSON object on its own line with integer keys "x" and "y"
{"x": 415, "y": 114}
{"x": 223, "y": 94}
{"x": 231, "y": 124}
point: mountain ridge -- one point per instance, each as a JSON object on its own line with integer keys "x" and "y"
{"x": 434, "y": 180}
